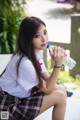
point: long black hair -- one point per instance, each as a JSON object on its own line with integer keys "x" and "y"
{"x": 28, "y": 29}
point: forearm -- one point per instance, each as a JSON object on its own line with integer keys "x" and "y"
{"x": 51, "y": 82}
{"x": 48, "y": 85}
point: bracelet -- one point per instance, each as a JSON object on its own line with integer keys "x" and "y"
{"x": 58, "y": 66}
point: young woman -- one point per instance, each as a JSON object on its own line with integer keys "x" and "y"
{"x": 27, "y": 89}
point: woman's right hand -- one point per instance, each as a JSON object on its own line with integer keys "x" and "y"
{"x": 58, "y": 55}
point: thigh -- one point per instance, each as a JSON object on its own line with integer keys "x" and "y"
{"x": 57, "y": 96}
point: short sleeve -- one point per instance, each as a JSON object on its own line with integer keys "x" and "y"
{"x": 27, "y": 75}
{"x": 42, "y": 66}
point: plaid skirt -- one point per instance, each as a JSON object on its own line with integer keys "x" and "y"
{"x": 21, "y": 108}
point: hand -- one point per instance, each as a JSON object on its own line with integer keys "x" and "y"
{"x": 58, "y": 55}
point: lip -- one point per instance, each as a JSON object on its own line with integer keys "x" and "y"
{"x": 44, "y": 45}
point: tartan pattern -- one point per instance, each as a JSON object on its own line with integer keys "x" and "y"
{"x": 21, "y": 109}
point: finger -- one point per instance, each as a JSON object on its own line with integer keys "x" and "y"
{"x": 63, "y": 52}
{"x": 50, "y": 52}
{"x": 55, "y": 51}
{"x": 58, "y": 51}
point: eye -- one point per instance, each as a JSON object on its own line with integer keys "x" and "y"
{"x": 45, "y": 32}
{"x": 37, "y": 36}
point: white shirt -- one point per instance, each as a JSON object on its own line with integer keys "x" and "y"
{"x": 21, "y": 86}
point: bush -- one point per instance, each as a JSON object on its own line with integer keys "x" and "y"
{"x": 11, "y": 14}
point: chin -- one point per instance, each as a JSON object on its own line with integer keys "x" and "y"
{"x": 44, "y": 48}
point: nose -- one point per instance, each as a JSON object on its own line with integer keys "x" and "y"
{"x": 43, "y": 38}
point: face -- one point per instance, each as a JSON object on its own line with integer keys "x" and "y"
{"x": 41, "y": 38}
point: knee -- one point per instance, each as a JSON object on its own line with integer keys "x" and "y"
{"x": 61, "y": 94}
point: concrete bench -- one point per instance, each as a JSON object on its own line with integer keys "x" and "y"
{"x": 4, "y": 59}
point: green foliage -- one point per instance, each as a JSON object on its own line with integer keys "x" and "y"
{"x": 64, "y": 77}
{"x": 11, "y": 14}
{"x": 50, "y": 65}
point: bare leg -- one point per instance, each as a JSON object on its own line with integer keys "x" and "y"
{"x": 57, "y": 99}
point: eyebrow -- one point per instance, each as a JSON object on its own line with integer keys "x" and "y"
{"x": 44, "y": 30}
